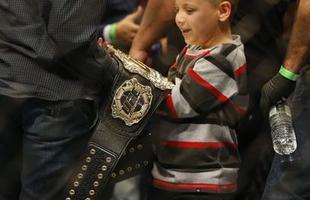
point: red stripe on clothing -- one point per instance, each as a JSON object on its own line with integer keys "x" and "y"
{"x": 198, "y": 145}
{"x": 240, "y": 110}
{"x": 242, "y": 69}
{"x": 207, "y": 85}
{"x": 174, "y": 66}
{"x": 192, "y": 56}
{"x": 185, "y": 48}
{"x": 170, "y": 106}
{"x": 195, "y": 186}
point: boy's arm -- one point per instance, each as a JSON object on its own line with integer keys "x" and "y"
{"x": 203, "y": 88}
{"x": 92, "y": 64}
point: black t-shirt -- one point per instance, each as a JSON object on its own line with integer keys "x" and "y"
{"x": 260, "y": 23}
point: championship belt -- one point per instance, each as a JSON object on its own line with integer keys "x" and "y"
{"x": 136, "y": 92}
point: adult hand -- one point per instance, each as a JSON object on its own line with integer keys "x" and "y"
{"x": 141, "y": 55}
{"x": 101, "y": 43}
{"x": 128, "y": 27}
{"x": 274, "y": 90}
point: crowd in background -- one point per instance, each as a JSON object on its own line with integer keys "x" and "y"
{"x": 50, "y": 91}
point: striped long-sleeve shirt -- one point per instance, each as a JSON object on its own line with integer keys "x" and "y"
{"x": 198, "y": 143}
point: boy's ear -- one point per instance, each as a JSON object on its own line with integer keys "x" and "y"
{"x": 224, "y": 10}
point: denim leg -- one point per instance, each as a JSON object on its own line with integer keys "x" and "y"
{"x": 293, "y": 183}
{"x": 56, "y": 134}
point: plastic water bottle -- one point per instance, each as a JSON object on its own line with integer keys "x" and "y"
{"x": 282, "y": 131}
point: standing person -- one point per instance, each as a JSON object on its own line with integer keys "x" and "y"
{"x": 197, "y": 154}
{"x": 49, "y": 87}
{"x": 292, "y": 183}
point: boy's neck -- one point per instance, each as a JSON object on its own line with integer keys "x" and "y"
{"x": 221, "y": 35}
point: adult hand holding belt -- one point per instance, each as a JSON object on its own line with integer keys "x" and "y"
{"x": 136, "y": 92}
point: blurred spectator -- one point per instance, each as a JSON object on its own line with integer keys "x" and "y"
{"x": 122, "y": 22}
{"x": 292, "y": 181}
{"x": 157, "y": 19}
{"x": 157, "y": 23}
{"x": 50, "y": 85}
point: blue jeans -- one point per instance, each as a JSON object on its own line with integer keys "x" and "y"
{"x": 39, "y": 142}
{"x": 293, "y": 182}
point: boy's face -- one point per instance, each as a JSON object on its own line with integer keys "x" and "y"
{"x": 197, "y": 20}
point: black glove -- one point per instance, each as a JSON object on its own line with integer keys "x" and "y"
{"x": 92, "y": 65}
{"x": 274, "y": 90}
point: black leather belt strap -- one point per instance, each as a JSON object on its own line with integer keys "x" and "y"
{"x": 133, "y": 100}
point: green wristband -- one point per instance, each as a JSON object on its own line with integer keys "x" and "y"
{"x": 113, "y": 32}
{"x": 288, "y": 74}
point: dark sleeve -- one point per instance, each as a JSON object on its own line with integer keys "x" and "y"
{"x": 91, "y": 64}
{"x": 72, "y": 23}
{"x": 46, "y": 30}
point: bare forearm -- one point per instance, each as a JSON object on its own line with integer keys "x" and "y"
{"x": 299, "y": 44}
{"x": 158, "y": 16}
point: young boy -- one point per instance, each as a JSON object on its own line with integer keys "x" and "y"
{"x": 197, "y": 155}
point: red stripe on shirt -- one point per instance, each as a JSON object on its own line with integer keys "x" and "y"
{"x": 207, "y": 85}
{"x": 242, "y": 69}
{"x": 240, "y": 110}
{"x": 195, "y": 186}
{"x": 170, "y": 106}
{"x": 174, "y": 66}
{"x": 185, "y": 48}
{"x": 193, "y": 56}
{"x": 198, "y": 145}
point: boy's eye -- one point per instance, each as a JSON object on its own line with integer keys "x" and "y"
{"x": 189, "y": 10}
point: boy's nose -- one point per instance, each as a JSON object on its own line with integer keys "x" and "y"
{"x": 179, "y": 19}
